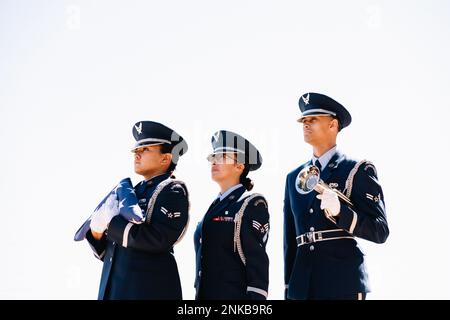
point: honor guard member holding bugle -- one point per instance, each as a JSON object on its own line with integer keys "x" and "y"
{"x": 230, "y": 241}
{"x": 137, "y": 254}
{"x": 329, "y": 201}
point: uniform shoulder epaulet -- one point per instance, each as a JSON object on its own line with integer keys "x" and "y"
{"x": 178, "y": 186}
{"x": 349, "y": 183}
{"x": 259, "y": 198}
{"x": 173, "y": 184}
{"x": 246, "y": 198}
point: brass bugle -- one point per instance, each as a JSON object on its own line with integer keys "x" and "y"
{"x": 309, "y": 179}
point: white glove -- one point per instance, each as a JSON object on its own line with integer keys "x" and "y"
{"x": 102, "y": 217}
{"x": 330, "y": 202}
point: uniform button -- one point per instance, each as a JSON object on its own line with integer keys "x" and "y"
{"x": 311, "y": 210}
{"x": 114, "y": 243}
{"x": 200, "y": 273}
{"x": 110, "y": 259}
{"x": 200, "y": 240}
{"x": 311, "y": 229}
{"x": 311, "y": 248}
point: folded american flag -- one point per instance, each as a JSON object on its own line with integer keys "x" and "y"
{"x": 128, "y": 207}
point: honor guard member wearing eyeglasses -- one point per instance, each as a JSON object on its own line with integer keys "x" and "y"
{"x": 138, "y": 260}
{"x": 231, "y": 239}
{"x": 322, "y": 258}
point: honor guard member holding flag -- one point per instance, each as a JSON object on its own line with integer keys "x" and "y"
{"x": 138, "y": 260}
{"x": 322, "y": 258}
{"x": 230, "y": 241}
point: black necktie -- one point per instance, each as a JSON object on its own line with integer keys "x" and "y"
{"x": 318, "y": 165}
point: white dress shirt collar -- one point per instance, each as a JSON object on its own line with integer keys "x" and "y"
{"x": 230, "y": 190}
{"x": 326, "y": 157}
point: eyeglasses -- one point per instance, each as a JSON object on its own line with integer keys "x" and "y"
{"x": 221, "y": 158}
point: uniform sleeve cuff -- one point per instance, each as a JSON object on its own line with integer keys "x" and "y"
{"x": 97, "y": 246}
{"x": 347, "y": 219}
{"x": 261, "y": 294}
{"x": 118, "y": 230}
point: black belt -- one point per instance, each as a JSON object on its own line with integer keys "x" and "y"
{"x": 316, "y": 236}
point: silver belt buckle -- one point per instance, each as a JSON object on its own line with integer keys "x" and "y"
{"x": 310, "y": 236}
{"x": 319, "y": 235}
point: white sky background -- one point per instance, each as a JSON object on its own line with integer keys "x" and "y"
{"x": 76, "y": 75}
